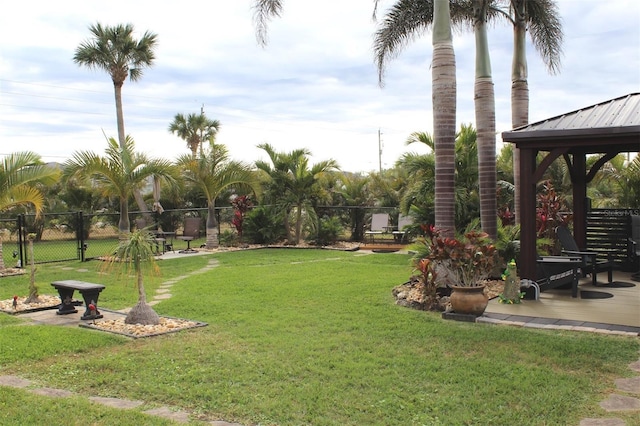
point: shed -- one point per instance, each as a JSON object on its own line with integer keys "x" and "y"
{"x": 608, "y": 128}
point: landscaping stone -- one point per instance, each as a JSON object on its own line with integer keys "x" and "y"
{"x": 631, "y": 385}
{"x": 617, "y": 402}
{"x": 124, "y": 404}
{"x": 602, "y": 422}
{"x": 52, "y": 392}
{"x": 14, "y": 382}
{"x": 167, "y": 413}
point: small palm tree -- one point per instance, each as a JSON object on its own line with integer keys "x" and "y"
{"x": 194, "y": 129}
{"x": 121, "y": 172}
{"x": 211, "y": 174}
{"x": 136, "y": 252}
{"x": 20, "y": 175}
{"x": 293, "y": 182}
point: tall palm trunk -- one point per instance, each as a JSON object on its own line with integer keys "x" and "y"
{"x": 485, "y": 122}
{"x": 443, "y": 74}
{"x": 142, "y": 296}
{"x": 519, "y": 92}
{"x": 123, "y": 223}
{"x": 212, "y": 226}
{"x": 298, "y": 230}
{"x": 117, "y": 87}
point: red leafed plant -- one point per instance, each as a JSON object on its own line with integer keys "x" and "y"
{"x": 465, "y": 261}
{"x": 241, "y": 205}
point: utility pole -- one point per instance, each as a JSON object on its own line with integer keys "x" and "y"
{"x": 380, "y": 151}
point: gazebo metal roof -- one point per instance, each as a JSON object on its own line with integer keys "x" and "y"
{"x": 610, "y": 128}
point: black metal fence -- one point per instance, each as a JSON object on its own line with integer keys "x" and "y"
{"x": 80, "y": 236}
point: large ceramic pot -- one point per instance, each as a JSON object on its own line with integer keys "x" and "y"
{"x": 469, "y": 300}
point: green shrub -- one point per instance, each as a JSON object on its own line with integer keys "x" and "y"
{"x": 329, "y": 231}
{"x": 263, "y": 225}
{"x": 228, "y": 238}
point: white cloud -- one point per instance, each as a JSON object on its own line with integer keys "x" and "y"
{"x": 314, "y": 85}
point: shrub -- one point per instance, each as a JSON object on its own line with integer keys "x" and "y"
{"x": 329, "y": 231}
{"x": 263, "y": 225}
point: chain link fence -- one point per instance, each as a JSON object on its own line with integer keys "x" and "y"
{"x": 67, "y": 236}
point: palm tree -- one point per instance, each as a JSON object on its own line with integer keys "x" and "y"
{"x": 353, "y": 190}
{"x": 540, "y": 19}
{"x": 119, "y": 174}
{"x": 485, "y": 110}
{"x": 194, "y": 129}
{"x": 114, "y": 50}
{"x": 276, "y": 176}
{"x": 137, "y": 253}
{"x": 211, "y": 174}
{"x": 403, "y": 22}
{"x": 20, "y": 175}
{"x": 421, "y": 168}
{"x": 264, "y": 10}
{"x": 295, "y": 182}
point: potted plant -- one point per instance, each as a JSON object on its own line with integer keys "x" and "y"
{"x": 461, "y": 263}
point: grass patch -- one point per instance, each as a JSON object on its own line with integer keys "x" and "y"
{"x": 312, "y": 337}
{"x": 23, "y": 408}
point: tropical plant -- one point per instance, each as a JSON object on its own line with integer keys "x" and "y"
{"x": 21, "y": 177}
{"x": 34, "y": 297}
{"x": 264, "y": 225}
{"x": 194, "y": 129}
{"x": 551, "y": 212}
{"x": 421, "y": 171}
{"x": 404, "y": 20}
{"x": 241, "y": 205}
{"x": 293, "y": 184}
{"x": 485, "y": 109}
{"x": 115, "y": 51}
{"x": 211, "y": 174}
{"x": 135, "y": 254}
{"x": 464, "y": 261}
{"x": 118, "y": 174}
{"x": 618, "y": 183}
{"x": 540, "y": 20}
{"x": 353, "y": 190}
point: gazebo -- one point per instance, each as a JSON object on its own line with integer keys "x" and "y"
{"x": 609, "y": 128}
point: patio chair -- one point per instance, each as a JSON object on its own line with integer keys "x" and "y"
{"x": 634, "y": 244}
{"x": 400, "y": 234}
{"x": 557, "y": 272}
{"x": 190, "y": 232}
{"x": 141, "y": 224}
{"x": 379, "y": 225}
{"x": 590, "y": 263}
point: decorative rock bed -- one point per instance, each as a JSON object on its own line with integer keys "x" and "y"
{"x": 46, "y": 302}
{"x": 118, "y": 326}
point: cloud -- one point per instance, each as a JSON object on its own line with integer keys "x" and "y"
{"x": 314, "y": 86}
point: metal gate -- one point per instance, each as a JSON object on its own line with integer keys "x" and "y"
{"x": 54, "y": 237}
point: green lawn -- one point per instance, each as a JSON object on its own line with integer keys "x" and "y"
{"x": 307, "y": 337}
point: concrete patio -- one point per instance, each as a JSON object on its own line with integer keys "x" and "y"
{"x": 556, "y": 308}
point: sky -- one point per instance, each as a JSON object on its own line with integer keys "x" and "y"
{"x": 314, "y": 86}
